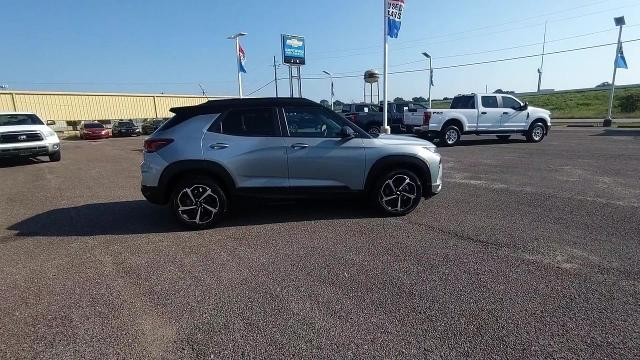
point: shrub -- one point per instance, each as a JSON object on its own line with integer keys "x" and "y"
{"x": 629, "y": 103}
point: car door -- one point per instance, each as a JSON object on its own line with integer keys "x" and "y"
{"x": 490, "y": 113}
{"x": 249, "y": 144}
{"x": 318, "y": 157}
{"x": 512, "y": 118}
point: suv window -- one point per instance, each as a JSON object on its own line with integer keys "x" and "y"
{"x": 510, "y": 103}
{"x": 490, "y": 102}
{"x": 463, "y": 102}
{"x": 248, "y": 122}
{"x": 312, "y": 122}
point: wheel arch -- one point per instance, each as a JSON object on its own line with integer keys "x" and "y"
{"x": 457, "y": 122}
{"x": 542, "y": 121}
{"x": 394, "y": 162}
{"x": 177, "y": 171}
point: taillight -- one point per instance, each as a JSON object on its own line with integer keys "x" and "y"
{"x": 153, "y": 145}
{"x": 426, "y": 118}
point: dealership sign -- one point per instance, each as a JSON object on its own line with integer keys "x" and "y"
{"x": 293, "y": 49}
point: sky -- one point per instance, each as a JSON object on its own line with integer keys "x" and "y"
{"x": 169, "y": 46}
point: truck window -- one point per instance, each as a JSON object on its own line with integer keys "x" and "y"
{"x": 510, "y": 103}
{"x": 490, "y": 102}
{"x": 463, "y": 102}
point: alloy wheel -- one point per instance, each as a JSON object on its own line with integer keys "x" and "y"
{"x": 398, "y": 194}
{"x": 537, "y": 133}
{"x": 451, "y": 137}
{"x": 198, "y": 204}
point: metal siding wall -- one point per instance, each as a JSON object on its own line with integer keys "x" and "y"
{"x": 81, "y": 106}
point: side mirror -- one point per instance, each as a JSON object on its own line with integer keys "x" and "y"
{"x": 347, "y": 133}
{"x": 51, "y": 123}
{"x": 524, "y": 107}
{"x": 413, "y": 110}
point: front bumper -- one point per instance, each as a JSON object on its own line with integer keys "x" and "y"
{"x": 32, "y": 149}
{"x": 436, "y": 187}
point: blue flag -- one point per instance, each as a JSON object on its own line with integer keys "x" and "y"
{"x": 621, "y": 62}
{"x": 394, "y": 17}
{"x": 241, "y": 59}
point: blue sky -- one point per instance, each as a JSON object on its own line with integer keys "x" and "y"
{"x": 171, "y": 46}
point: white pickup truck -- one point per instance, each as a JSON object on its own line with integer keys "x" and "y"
{"x": 481, "y": 114}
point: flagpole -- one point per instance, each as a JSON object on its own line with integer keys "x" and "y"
{"x": 385, "y": 114}
{"x": 609, "y": 120}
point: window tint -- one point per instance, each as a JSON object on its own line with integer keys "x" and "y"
{"x": 312, "y": 122}
{"x": 249, "y": 122}
{"x": 463, "y": 102}
{"x": 490, "y": 102}
{"x": 93, "y": 126}
{"x": 510, "y": 103}
{"x": 19, "y": 119}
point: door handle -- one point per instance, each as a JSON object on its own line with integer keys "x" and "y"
{"x": 219, "y": 146}
{"x": 300, "y": 146}
{"x": 483, "y": 113}
{"x": 505, "y": 113}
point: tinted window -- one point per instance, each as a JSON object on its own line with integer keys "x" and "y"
{"x": 93, "y": 126}
{"x": 313, "y": 122}
{"x": 250, "y": 122}
{"x": 19, "y": 119}
{"x": 126, "y": 124}
{"x": 463, "y": 102}
{"x": 490, "y": 102}
{"x": 510, "y": 103}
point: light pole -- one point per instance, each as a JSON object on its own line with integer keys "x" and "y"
{"x": 540, "y": 69}
{"x": 332, "y": 92}
{"x": 236, "y": 37}
{"x": 620, "y": 22}
{"x": 430, "y": 75}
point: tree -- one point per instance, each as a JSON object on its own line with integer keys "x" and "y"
{"x": 399, "y": 99}
{"x": 338, "y": 104}
{"x": 500, "y": 91}
{"x": 629, "y": 103}
{"x": 325, "y": 103}
{"x": 419, "y": 99}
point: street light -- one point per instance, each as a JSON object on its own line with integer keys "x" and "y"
{"x": 332, "y": 92}
{"x": 236, "y": 37}
{"x": 620, "y": 22}
{"x": 430, "y": 75}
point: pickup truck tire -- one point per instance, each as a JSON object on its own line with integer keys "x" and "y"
{"x": 536, "y": 132}
{"x": 55, "y": 157}
{"x": 198, "y": 203}
{"x": 450, "y": 136}
{"x": 374, "y": 130}
{"x": 503, "y": 137}
{"x": 397, "y": 192}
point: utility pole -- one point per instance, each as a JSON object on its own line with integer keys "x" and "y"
{"x": 275, "y": 74}
{"x": 332, "y": 92}
{"x": 620, "y": 22}
{"x": 544, "y": 43}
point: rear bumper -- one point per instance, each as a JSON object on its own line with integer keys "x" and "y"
{"x": 154, "y": 194}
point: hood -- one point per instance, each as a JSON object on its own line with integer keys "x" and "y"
{"x": 17, "y": 128}
{"x": 533, "y": 109}
{"x": 403, "y": 140}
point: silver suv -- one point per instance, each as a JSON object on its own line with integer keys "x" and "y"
{"x": 206, "y": 155}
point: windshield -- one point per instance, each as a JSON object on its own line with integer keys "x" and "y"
{"x": 19, "y": 119}
{"x": 93, "y": 126}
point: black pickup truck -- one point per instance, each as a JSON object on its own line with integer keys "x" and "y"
{"x": 403, "y": 117}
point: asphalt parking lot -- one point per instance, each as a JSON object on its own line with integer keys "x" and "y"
{"x": 531, "y": 250}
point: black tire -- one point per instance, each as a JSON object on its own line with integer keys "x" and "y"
{"x": 196, "y": 211}
{"x": 503, "y": 137}
{"x": 397, "y": 187}
{"x": 55, "y": 157}
{"x": 536, "y": 132}
{"x": 374, "y": 130}
{"x": 450, "y": 136}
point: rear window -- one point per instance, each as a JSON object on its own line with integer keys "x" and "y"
{"x": 463, "y": 102}
{"x": 126, "y": 124}
{"x": 248, "y": 122}
{"x": 19, "y": 119}
{"x": 93, "y": 126}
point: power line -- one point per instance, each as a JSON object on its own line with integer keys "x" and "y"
{"x": 262, "y": 87}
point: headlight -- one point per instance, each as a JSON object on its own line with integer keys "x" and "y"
{"x": 50, "y": 133}
{"x": 433, "y": 149}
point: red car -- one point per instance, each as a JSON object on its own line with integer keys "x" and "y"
{"x": 93, "y": 130}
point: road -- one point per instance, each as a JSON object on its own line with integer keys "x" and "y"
{"x": 530, "y": 251}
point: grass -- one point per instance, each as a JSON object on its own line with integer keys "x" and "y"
{"x": 574, "y": 105}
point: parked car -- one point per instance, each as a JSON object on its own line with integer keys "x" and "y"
{"x": 149, "y": 127}
{"x": 25, "y": 135}
{"x": 206, "y": 155}
{"x": 481, "y": 114}
{"x": 93, "y": 131}
{"x": 403, "y": 117}
{"x": 124, "y": 128}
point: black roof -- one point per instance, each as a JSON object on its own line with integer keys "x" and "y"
{"x": 225, "y": 104}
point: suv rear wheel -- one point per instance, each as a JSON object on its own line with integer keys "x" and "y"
{"x": 198, "y": 203}
{"x": 398, "y": 192}
{"x": 374, "y": 130}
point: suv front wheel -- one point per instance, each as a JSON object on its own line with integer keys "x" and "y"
{"x": 198, "y": 203}
{"x": 398, "y": 192}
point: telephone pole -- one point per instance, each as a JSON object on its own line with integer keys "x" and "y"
{"x": 544, "y": 43}
{"x": 275, "y": 74}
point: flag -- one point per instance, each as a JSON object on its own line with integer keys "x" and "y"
{"x": 621, "y": 61}
{"x": 394, "y": 17}
{"x": 241, "y": 59}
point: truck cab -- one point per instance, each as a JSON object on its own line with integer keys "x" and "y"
{"x": 502, "y": 115}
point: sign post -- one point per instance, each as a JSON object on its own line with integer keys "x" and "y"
{"x": 293, "y": 55}
{"x": 620, "y": 22}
